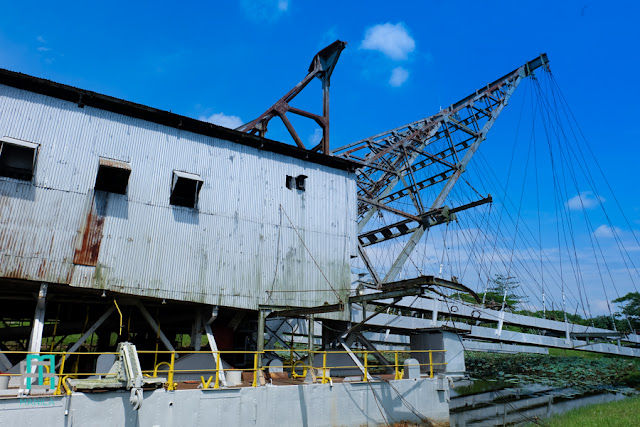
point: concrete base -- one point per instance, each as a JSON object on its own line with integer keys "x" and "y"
{"x": 440, "y": 340}
{"x": 344, "y": 404}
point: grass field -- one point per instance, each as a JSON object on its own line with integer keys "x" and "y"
{"x": 622, "y": 413}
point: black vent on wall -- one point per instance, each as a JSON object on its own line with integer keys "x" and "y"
{"x": 185, "y": 189}
{"x": 17, "y": 158}
{"x": 297, "y": 182}
{"x": 112, "y": 179}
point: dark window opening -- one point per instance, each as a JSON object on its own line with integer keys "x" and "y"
{"x": 17, "y": 158}
{"x": 297, "y": 182}
{"x": 113, "y": 176}
{"x": 291, "y": 182}
{"x": 185, "y": 189}
{"x": 300, "y": 182}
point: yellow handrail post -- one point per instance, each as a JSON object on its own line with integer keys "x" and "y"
{"x": 155, "y": 370}
{"x": 66, "y": 388}
{"x": 58, "y": 392}
{"x": 324, "y": 367}
{"x": 216, "y": 384}
{"x": 120, "y": 313}
{"x": 366, "y": 366}
{"x": 304, "y": 370}
{"x": 396, "y": 366}
{"x": 47, "y": 380}
{"x": 255, "y": 370}
{"x": 205, "y": 384}
{"x": 155, "y": 356}
{"x": 171, "y": 386}
{"x": 430, "y": 364}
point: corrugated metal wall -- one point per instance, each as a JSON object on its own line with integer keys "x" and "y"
{"x": 234, "y": 248}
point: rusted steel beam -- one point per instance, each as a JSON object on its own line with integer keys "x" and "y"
{"x": 321, "y": 67}
{"x": 428, "y": 281}
{"x": 389, "y": 208}
{"x": 302, "y": 311}
{"x": 291, "y": 130}
{"x": 404, "y": 227}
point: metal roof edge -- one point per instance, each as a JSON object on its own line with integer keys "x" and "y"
{"x": 83, "y": 98}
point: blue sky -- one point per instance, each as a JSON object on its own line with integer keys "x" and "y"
{"x": 228, "y": 61}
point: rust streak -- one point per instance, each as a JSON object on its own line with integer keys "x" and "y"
{"x": 42, "y": 270}
{"x": 91, "y": 238}
{"x": 51, "y": 245}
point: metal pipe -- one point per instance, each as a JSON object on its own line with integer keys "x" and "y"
{"x": 218, "y": 369}
{"x": 172, "y": 385}
{"x": 120, "y": 313}
{"x": 311, "y": 343}
{"x": 260, "y": 336}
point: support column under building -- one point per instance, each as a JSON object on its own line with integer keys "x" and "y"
{"x": 311, "y": 336}
{"x": 35, "y": 341}
{"x": 260, "y": 336}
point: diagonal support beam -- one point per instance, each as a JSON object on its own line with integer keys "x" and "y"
{"x": 91, "y": 330}
{"x": 35, "y": 341}
{"x": 155, "y": 327}
{"x": 5, "y": 363}
{"x": 353, "y": 357}
{"x": 372, "y": 348}
{"x": 214, "y": 351}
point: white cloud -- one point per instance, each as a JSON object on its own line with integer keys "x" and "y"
{"x": 222, "y": 119}
{"x": 399, "y": 75}
{"x": 392, "y": 40}
{"x": 584, "y": 200}
{"x": 265, "y": 10}
{"x": 41, "y": 39}
{"x": 606, "y": 231}
{"x": 44, "y": 49}
{"x": 283, "y": 5}
{"x": 315, "y": 138}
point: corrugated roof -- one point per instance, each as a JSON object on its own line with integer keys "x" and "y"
{"x": 85, "y": 97}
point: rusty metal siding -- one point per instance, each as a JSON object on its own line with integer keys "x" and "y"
{"x": 233, "y": 250}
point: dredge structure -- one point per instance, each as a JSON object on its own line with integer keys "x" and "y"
{"x": 174, "y": 271}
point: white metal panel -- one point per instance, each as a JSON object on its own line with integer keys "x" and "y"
{"x": 250, "y": 241}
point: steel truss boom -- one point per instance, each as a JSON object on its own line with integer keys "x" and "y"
{"x": 403, "y": 162}
{"x": 321, "y": 67}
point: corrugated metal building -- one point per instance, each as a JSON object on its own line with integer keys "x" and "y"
{"x": 208, "y": 214}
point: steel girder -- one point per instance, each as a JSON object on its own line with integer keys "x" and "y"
{"x": 321, "y": 67}
{"x": 401, "y": 163}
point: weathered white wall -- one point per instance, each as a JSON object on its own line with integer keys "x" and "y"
{"x": 235, "y": 247}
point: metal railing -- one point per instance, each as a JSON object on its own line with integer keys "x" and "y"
{"x": 365, "y": 366}
{"x": 362, "y": 364}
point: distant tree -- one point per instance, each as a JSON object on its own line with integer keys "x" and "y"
{"x": 559, "y": 316}
{"x": 464, "y": 297}
{"x": 496, "y": 292}
{"x": 606, "y": 322}
{"x": 630, "y": 304}
{"x": 603, "y": 322}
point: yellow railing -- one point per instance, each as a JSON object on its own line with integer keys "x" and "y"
{"x": 366, "y": 366}
{"x": 257, "y": 370}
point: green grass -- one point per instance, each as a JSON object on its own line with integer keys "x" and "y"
{"x": 575, "y": 353}
{"x": 621, "y": 413}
